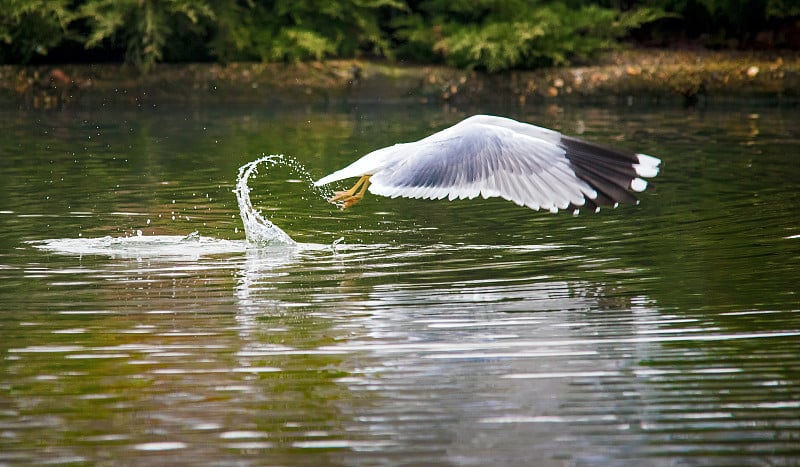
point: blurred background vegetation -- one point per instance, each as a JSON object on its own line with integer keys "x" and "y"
{"x": 491, "y": 35}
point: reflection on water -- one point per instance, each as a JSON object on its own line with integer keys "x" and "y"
{"x": 400, "y": 331}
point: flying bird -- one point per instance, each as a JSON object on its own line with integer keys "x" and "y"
{"x": 491, "y": 156}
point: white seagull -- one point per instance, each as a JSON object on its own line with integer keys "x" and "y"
{"x": 490, "y": 156}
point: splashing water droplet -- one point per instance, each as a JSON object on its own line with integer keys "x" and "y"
{"x": 257, "y": 229}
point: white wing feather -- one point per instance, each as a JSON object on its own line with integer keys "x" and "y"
{"x": 476, "y": 158}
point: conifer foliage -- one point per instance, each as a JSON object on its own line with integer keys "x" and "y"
{"x": 491, "y": 35}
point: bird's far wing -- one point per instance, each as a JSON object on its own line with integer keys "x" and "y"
{"x": 476, "y": 158}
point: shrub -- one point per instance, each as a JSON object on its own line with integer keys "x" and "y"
{"x": 496, "y": 35}
{"x": 144, "y": 26}
{"x": 30, "y": 28}
{"x": 290, "y": 30}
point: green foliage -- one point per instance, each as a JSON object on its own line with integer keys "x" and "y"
{"x": 144, "y": 26}
{"x": 31, "y": 27}
{"x": 783, "y": 8}
{"x": 508, "y": 34}
{"x": 291, "y": 30}
{"x": 715, "y": 23}
{"x": 486, "y": 34}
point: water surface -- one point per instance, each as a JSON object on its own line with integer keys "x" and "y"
{"x": 138, "y": 326}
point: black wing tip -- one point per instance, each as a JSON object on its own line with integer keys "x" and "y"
{"x": 612, "y": 173}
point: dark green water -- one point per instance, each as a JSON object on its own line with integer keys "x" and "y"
{"x": 434, "y": 333}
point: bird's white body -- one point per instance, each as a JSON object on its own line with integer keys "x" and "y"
{"x": 492, "y": 156}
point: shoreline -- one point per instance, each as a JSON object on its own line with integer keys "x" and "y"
{"x": 658, "y": 75}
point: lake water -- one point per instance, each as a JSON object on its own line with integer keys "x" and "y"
{"x": 137, "y": 326}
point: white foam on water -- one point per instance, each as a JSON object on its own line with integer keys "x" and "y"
{"x": 192, "y": 246}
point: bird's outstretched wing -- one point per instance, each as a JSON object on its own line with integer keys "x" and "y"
{"x": 531, "y": 166}
{"x": 492, "y": 156}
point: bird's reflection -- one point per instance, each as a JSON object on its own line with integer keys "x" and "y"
{"x": 261, "y": 266}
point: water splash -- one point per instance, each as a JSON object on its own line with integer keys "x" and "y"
{"x": 258, "y": 229}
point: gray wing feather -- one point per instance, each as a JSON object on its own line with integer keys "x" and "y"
{"x": 481, "y": 158}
